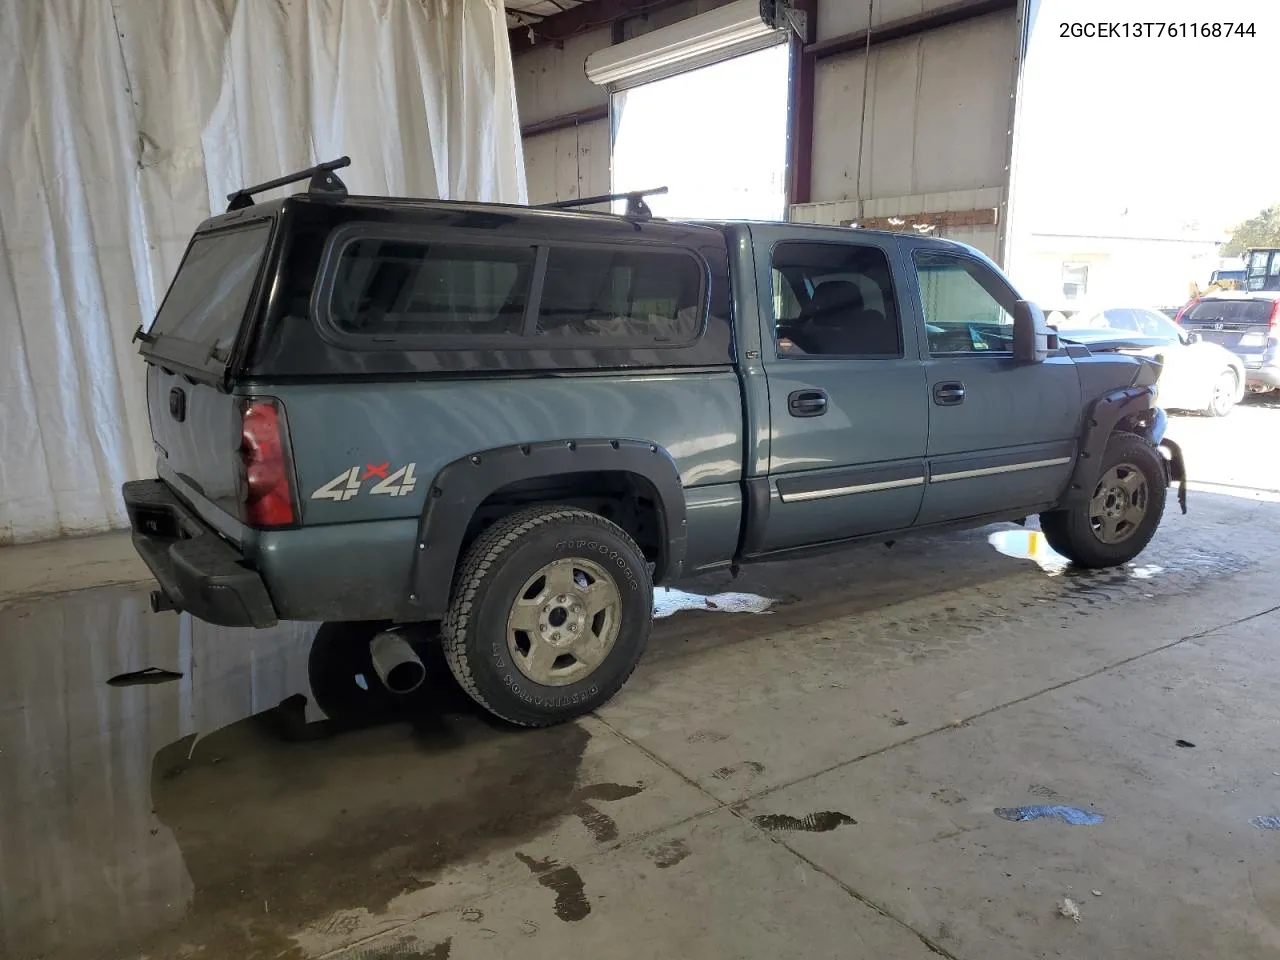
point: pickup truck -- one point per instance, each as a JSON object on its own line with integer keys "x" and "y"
{"x": 511, "y": 422}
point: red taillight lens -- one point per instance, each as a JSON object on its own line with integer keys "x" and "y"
{"x": 1183, "y": 311}
{"x": 1275, "y": 316}
{"x": 266, "y": 498}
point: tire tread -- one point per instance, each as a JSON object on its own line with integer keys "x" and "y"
{"x": 487, "y": 551}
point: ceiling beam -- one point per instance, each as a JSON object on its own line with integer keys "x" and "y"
{"x": 565, "y": 121}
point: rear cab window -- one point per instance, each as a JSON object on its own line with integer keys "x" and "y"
{"x": 202, "y": 313}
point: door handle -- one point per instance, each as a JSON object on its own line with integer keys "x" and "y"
{"x": 948, "y": 393}
{"x": 807, "y": 403}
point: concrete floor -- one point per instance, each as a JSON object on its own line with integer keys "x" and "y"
{"x": 820, "y": 781}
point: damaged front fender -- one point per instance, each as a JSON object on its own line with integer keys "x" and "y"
{"x": 1176, "y": 468}
{"x": 1152, "y": 424}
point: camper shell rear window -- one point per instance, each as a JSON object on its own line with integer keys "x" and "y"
{"x": 205, "y": 306}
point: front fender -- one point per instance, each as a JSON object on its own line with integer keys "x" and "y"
{"x": 1132, "y": 407}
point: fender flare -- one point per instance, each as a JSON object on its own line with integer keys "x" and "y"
{"x": 1104, "y": 416}
{"x": 461, "y": 486}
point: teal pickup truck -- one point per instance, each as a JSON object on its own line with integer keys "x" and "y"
{"x": 513, "y": 421}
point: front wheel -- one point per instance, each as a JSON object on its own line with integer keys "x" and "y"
{"x": 1226, "y": 389}
{"x": 550, "y": 613}
{"x": 1118, "y": 521}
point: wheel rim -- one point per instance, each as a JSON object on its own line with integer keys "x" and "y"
{"x": 564, "y": 622}
{"x": 1119, "y": 504}
{"x": 1224, "y": 393}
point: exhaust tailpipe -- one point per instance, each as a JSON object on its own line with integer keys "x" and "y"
{"x": 160, "y": 602}
{"x": 397, "y": 666}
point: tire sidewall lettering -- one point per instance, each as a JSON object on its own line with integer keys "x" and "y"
{"x": 572, "y": 547}
{"x": 537, "y": 700}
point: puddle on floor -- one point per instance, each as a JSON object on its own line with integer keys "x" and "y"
{"x": 1075, "y": 816}
{"x": 251, "y": 787}
{"x": 1029, "y": 545}
{"x": 667, "y": 601}
{"x": 1032, "y": 545}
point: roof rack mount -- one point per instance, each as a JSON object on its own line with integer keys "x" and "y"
{"x": 636, "y": 207}
{"x": 324, "y": 184}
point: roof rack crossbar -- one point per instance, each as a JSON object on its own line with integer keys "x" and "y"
{"x": 636, "y": 207}
{"x": 324, "y": 183}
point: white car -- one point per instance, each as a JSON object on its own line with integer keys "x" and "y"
{"x": 1197, "y": 374}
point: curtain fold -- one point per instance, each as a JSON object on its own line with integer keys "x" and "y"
{"x": 128, "y": 121}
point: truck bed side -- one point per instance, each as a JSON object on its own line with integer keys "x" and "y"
{"x": 378, "y": 429}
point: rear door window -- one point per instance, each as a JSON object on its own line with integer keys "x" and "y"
{"x": 393, "y": 288}
{"x": 622, "y": 294}
{"x": 207, "y": 300}
{"x": 834, "y": 300}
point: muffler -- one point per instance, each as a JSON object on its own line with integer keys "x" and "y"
{"x": 397, "y": 666}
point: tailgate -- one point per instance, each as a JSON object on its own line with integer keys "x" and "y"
{"x": 195, "y": 422}
{"x": 196, "y": 429}
{"x": 1242, "y": 326}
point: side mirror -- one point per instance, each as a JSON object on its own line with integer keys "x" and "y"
{"x": 1192, "y": 336}
{"x": 1032, "y": 336}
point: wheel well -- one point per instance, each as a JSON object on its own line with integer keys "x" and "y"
{"x": 624, "y": 498}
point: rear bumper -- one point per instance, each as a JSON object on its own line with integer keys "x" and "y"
{"x": 197, "y": 570}
{"x": 1267, "y": 376}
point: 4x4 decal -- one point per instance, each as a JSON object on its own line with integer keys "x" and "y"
{"x": 349, "y": 483}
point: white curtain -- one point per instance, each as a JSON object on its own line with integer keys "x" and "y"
{"x": 126, "y": 122}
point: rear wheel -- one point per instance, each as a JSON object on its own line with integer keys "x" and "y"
{"x": 551, "y": 611}
{"x": 1226, "y": 389}
{"x": 1119, "y": 519}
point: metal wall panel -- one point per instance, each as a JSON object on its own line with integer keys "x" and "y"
{"x": 838, "y": 17}
{"x": 551, "y": 80}
{"x": 568, "y": 163}
{"x": 937, "y": 113}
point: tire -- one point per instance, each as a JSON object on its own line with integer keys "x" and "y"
{"x": 1091, "y": 534}
{"x": 1223, "y": 398}
{"x": 551, "y": 611}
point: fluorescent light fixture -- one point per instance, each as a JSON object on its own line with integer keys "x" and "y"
{"x": 743, "y": 26}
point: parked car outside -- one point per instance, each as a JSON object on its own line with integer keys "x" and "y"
{"x": 1197, "y": 374}
{"x": 1247, "y": 324}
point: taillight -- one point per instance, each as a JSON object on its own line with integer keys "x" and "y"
{"x": 266, "y": 488}
{"x": 1182, "y": 312}
{"x": 1274, "y": 321}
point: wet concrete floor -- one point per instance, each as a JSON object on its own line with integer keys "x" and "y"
{"x": 821, "y": 780}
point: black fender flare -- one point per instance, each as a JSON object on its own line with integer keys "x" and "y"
{"x": 461, "y": 486}
{"x": 1134, "y": 406}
